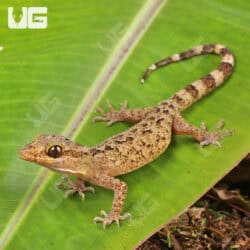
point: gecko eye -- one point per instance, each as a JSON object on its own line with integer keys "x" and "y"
{"x": 55, "y": 151}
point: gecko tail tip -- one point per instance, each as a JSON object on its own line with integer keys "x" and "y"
{"x": 142, "y": 80}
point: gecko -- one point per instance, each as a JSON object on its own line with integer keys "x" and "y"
{"x": 147, "y": 138}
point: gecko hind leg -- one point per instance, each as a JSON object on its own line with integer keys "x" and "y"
{"x": 132, "y": 116}
{"x": 120, "y": 188}
{"x": 74, "y": 187}
{"x": 180, "y": 126}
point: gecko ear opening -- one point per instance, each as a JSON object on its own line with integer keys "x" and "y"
{"x": 55, "y": 151}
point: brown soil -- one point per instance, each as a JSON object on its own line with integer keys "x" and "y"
{"x": 219, "y": 220}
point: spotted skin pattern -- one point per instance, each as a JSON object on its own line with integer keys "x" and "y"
{"x": 143, "y": 142}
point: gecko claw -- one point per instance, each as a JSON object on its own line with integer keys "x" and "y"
{"x": 214, "y": 137}
{"x": 74, "y": 187}
{"x": 108, "y": 219}
{"x": 113, "y": 115}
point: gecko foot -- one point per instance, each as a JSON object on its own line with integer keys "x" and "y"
{"x": 74, "y": 187}
{"x": 113, "y": 115}
{"x": 214, "y": 137}
{"x": 108, "y": 219}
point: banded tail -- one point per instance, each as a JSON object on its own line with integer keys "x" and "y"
{"x": 196, "y": 90}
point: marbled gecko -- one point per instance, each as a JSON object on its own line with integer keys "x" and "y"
{"x": 143, "y": 142}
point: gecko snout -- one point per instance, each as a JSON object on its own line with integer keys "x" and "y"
{"x": 22, "y": 153}
{"x": 25, "y": 152}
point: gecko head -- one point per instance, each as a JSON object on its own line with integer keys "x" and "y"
{"x": 54, "y": 152}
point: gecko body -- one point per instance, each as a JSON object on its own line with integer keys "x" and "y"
{"x": 143, "y": 142}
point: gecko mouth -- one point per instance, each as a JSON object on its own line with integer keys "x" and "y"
{"x": 25, "y": 154}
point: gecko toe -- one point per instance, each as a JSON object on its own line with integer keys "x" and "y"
{"x": 113, "y": 115}
{"x": 69, "y": 192}
{"x": 108, "y": 219}
{"x": 126, "y": 216}
{"x": 103, "y": 213}
{"x": 216, "y": 136}
{"x": 90, "y": 189}
{"x": 74, "y": 187}
{"x": 81, "y": 194}
{"x": 98, "y": 219}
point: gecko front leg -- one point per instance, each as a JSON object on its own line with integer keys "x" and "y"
{"x": 120, "y": 188}
{"x": 74, "y": 187}
{"x": 180, "y": 126}
{"x": 124, "y": 114}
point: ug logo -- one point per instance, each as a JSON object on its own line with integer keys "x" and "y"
{"x": 27, "y": 18}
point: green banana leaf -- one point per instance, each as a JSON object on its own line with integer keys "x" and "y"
{"x": 51, "y": 81}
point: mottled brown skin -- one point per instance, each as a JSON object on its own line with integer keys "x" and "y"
{"x": 145, "y": 141}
